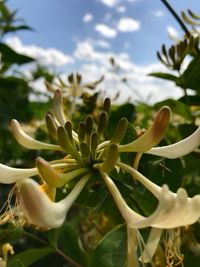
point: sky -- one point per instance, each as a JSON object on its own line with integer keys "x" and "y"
{"x": 81, "y": 35}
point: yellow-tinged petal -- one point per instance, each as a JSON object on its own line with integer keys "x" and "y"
{"x": 27, "y": 141}
{"x": 9, "y": 175}
{"x": 54, "y": 178}
{"x": 152, "y": 136}
{"x": 39, "y": 210}
{"x": 178, "y": 149}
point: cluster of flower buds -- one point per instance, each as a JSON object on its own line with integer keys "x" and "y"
{"x": 87, "y": 154}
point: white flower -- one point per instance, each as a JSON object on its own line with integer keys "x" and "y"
{"x": 164, "y": 217}
{"x": 39, "y": 209}
{"x": 9, "y": 175}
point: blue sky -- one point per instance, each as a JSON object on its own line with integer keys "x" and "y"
{"x": 84, "y": 31}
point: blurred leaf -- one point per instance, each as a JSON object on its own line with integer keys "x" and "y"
{"x": 191, "y": 100}
{"x": 165, "y": 76}
{"x": 29, "y": 256}
{"x": 69, "y": 243}
{"x": 111, "y": 250}
{"x": 9, "y": 56}
{"x": 191, "y": 76}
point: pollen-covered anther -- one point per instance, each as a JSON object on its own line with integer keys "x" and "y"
{"x": 110, "y": 158}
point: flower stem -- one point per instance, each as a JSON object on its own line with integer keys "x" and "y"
{"x": 175, "y": 15}
{"x": 57, "y": 250}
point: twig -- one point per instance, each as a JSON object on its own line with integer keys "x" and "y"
{"x": 178, "y": 19}
{"x": 57, "y": 250}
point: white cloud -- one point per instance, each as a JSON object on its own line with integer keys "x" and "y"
{"x": 110, "y": 3}
{"x": 139, "y": 86}
{"x": 106, "y": 31}
{"x": 87, "y": 17}
{"x": 45, "y": 56}
{"x": 172, "y": 33}
{"x": 158, "y": 13}
{"x": 128, "y": 25}
{"x": 121, "y": 9}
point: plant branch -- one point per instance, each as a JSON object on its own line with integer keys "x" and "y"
{"x": 178, "y": 19}
{"x": 57, "y": 250}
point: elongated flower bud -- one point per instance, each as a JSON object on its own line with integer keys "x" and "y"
{"x": 119, "y": 131}
{"x": 58, "y": 107}
{"x": 152, "y": 136}
{"x": 53, "y": 177}
{"x": 27, "y": 141}
{"x": 52, "y": 129}
{"x": 110, "y": 158}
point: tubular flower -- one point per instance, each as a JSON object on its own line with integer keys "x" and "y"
{"x": 39, "y": 209}
{"x": 86, "y": 154}
{"x": 164, "y": 217}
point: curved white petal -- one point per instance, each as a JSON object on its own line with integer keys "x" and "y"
{"x": 40, "y": 210}
{"x": 9, "y": 175}
{"x": 178, "y": 149}
{"x": 151, "y": 245}
{"x": 27, "y": 141}
{"x": 173, "y": 210}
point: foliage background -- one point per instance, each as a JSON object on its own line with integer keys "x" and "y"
{"x": 94, "y": 230}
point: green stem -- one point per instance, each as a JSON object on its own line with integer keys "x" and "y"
{"x": 178, "y": 19}
{"x": 57, "y": 250}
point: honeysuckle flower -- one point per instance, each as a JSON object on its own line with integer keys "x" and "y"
{"x": 85, "y": 153}
{"x": 164, "y": 217}
{"x": 39, "y": 209}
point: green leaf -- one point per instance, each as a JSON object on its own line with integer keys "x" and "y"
{"x": 191, "y": 76}
{"x": 9, "y": 56}
{"x": 111, "y": 250}
{"x": 29, "y": 256}
{"x": 69, "y": 243}
{"x": 191, "y": 100}
{"x": 165, "y": 76}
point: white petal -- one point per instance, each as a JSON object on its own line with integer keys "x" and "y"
{"x": 27, "y": 141}
{"x": 9, "y": 175}
{"x": 151, "y": 245}
{"x": 40, "y": 210}
{"x": 178, "y": 149}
